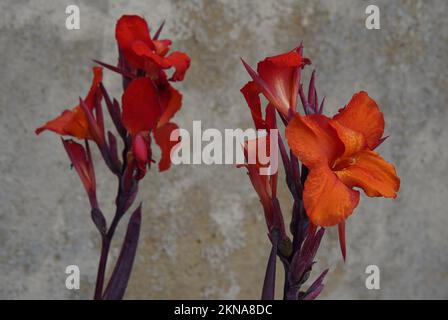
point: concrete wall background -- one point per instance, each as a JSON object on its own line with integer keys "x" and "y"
{"x": 203, "y": 234}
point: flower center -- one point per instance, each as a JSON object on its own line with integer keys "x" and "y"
{"x": 342, "y": 163}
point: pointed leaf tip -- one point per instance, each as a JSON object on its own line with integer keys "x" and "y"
{"x": 122, "y": 271}
{"x": 341, "y": 231}
{"x": 159, "y": 30}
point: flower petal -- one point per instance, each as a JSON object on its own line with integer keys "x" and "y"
{"x": 373, "y": 174}
{"x": 327, "y": 200}
{"x": 141, "y": 106}
{"x": 74, "y": 122}
{"x": 94, "y": 92}
{"x": 279, "y": 77}
{"x": 162, "y": 136}
{"x": 251, "y": 92}
{"x": 313, "y": 140}
{"x": 280, "y": 74}
{"x": 79, "y": 158}
{"x": 353, "y": 141}
{"x": 171, "y": 101}
{"x": 162, "y": 46}
{"x": 181, "y": 62}
{"x": 144, "y": 51}
{"x": 363, "y": 115}
{"x": 131, "y": 28}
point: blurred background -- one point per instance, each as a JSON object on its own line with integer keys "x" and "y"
{"x": 203, "y": 234}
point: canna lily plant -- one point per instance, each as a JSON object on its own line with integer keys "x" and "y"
{"x": 329, "y": 158}
{"x": 148, "y": 103}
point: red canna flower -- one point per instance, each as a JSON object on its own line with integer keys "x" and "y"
{"x": 339, "y": 153}
{"x": 144, "y": 111}
{"x": 75, "y": 122}
{"x": 148, "y": 104}
{"x": 82, "y": 162}
{"x": 144, "y": 53}
{"x": 278, "y": 78}
{"x": 149, "y": 101}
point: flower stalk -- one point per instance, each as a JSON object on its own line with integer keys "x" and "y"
{"x": 148, "y": 103}
{"x": 326, "y": 160}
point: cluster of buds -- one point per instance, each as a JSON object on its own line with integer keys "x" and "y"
{"x": 326, "y": 160}
{"x": 148, "y": 103}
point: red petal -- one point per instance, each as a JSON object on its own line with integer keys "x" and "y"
{"x": 94, "y": 92}
{"x": 139, "y": 149}
{"x": 79, "y": 159}
{"x": 171, "y": 101}
{"x": 131, "y": 28}
{"x": 281, "y": 76}
{"x": 162, "y": 46}
{"x": 142, "y": 50}
{"x": 141, "y": 107}
{"x": 251, "y": 93}
{"x": 181, "y": 62}
{"x": 162, "y": 135}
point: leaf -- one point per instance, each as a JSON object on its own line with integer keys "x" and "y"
{"x": 113, "y": 150}
{"x": 341, "y": 232}
{"x": 269, "y": 278}
{"x": 316, "y": 288}
{"x": 124, "y": 73}
{"x": 122, "y": 271}
{"x": 114, "y": 111}
{"x": 157, "y": 34}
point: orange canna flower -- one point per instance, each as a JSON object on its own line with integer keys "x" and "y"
{"x": 74, "y": 122}
{"x": 339, "y": 154}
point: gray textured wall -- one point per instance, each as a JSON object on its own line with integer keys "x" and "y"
{"x": 203, "y": 233}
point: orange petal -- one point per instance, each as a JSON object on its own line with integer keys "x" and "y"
{"x": 69, "y": 123}
{"x": 78, "y": 126}
{"x": 373, "y": 174}
{"x": 141, "y": 107}
{"x": 363, "y": 115}
{"x": 353, "y": 141}
{"x": 94, "y": 88}
{"x": 313, "y": 140}
{"x": 73, "y": 122}
{"x": 162, "y": 136}
{"x": 327, "y": 200}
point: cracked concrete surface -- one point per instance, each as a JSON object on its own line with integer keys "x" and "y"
{"x": 203, "y": 233}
